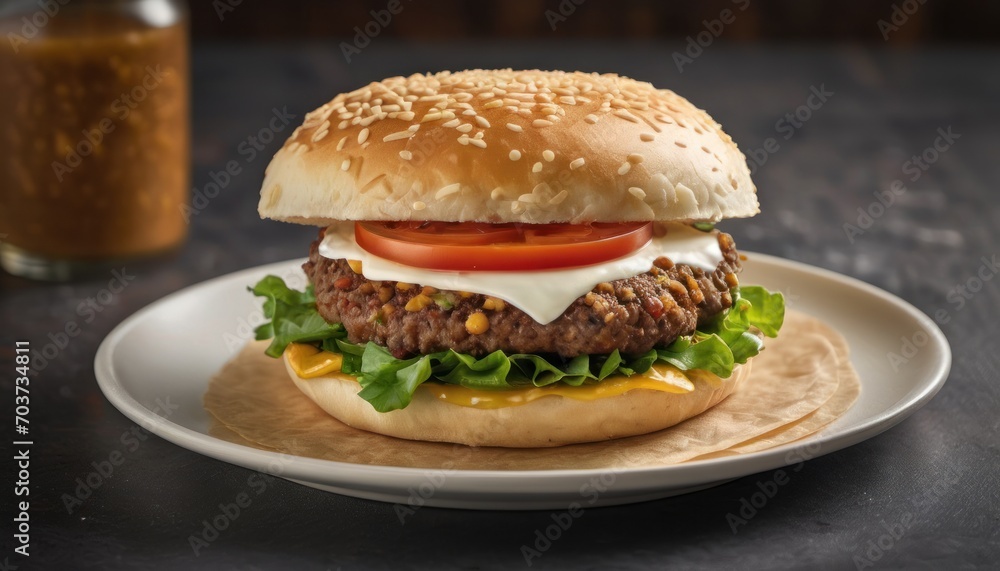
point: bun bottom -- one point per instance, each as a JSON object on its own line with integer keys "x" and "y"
{"x": 548, "y": 421}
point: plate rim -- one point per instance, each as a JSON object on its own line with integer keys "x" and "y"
{"x": 113, "y": 389}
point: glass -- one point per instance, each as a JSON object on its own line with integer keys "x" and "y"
{"x": 94, "y": 133}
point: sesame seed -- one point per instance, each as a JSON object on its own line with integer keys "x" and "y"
{"x": 451, "y": 124}
{"x": 469, "y": 112}
{"x": 464, "y": 128}
{"x": 548, "y": 155}
{"x": 493, "y": 104}
{"x": 537, "y": 167}
{"x": 527, "y": 198}
{"x": 624, "y": 168}
{"x": 397, "y": 136}
{"x": 405, "y": 155}
{"x": 626, "y": 115}
{"x": 363, "y": 135}
{"x": 407, "y": 116}
{"x": 516, "y": 207}
{"x": 637, "y": 192}
{"x": 591, "y": 118}
{"x": 345, "y": 165}
{"x": 413, "y": 128}
{"x": 319, "y": 135}
{"x": 680, "y": 144}
{"x": 432, "y": 116}
{"x": 478, "y": 143}
{"x": 419, "y": 205}
{"x": 496, "y": 193}
{"x": 447, "y": 190}
{"x": 514, "y": 155}
{"x": 483, "y": 122}
{"x": 568, "y": 100}
{"x": 577, "y": 163}
{"x": 541, "y": 123}
{"x": 464, "y": 140}
{"x": 559, "y": 197}
{"x": 635, "y": 158}
{"x": 515, "y": 128}
{"x": 647, "y": 137}
{"x": 340, "y": 145}
{"x": 342, "y": 125}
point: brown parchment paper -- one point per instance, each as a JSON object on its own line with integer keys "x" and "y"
{"x": 801, "y": 382}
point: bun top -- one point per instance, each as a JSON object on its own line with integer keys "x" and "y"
{"x": 508, "y": 146}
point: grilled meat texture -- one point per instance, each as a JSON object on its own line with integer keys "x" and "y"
{"x": 632, "y": 315}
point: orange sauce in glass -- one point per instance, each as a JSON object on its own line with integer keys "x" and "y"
{"x": 94, "y": 138}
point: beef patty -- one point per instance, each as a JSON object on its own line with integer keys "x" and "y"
{"x": 632, "y": 315}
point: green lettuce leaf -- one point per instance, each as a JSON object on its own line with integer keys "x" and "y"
{"x": 388, "y": 383}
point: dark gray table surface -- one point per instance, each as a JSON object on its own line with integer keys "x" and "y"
{"x": 936, "y": 471}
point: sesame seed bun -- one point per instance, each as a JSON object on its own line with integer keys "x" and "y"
{"x": 548, "y": 421}
{"x": 508, "y": 146}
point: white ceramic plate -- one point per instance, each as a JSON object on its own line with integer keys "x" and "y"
{"x": 156, "y": 365}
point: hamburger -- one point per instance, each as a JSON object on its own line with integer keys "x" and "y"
{"x": 514, "y": 258}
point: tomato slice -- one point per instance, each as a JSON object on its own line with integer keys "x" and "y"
{"x": 475, "y": 246}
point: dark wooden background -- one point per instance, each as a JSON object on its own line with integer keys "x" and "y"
{"x": 888, "y": 105}
{"x": 935, "y": 21}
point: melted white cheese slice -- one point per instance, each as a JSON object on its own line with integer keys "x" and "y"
{"x": 543, "y": 294}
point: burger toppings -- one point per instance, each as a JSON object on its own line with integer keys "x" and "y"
{"x": 633, "y": 314}
{"x": 672, "y": 315}
{"x": 542, "y": 294}
{"x": 500, "y": 247}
